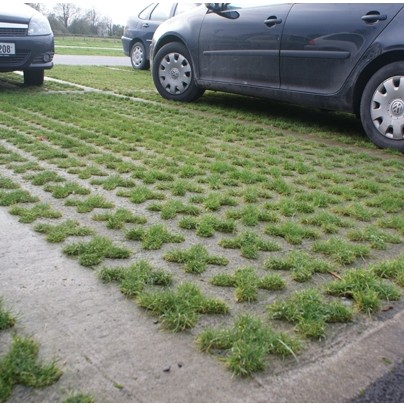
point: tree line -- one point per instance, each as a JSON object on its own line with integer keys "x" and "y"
{"x": 69, "y": 18}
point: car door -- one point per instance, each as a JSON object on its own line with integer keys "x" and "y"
{"x": 241, "y": 44}
{"x": 153, "y": 16}
{"x": 323, "y": 42}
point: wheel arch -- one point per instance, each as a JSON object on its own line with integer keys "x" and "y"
{"x": 175, "y": 38}
{"x": 370, "y": 70}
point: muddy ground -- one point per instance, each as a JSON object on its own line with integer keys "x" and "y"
{"x": 107, "y": 347}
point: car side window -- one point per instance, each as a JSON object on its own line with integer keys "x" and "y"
{"x": 251, "y": 4}
{"x": 162, "y": 12}
{"x": 145, "y": 14}
{"x": 182, "y": 7}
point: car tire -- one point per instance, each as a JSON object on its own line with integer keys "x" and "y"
{"x": 382, "y": 107}
{"x": 138, "y": 57}
{"x": 174, "y": 74}
{"x": 34, "y": 77}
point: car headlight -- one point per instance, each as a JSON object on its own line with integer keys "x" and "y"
{"x": 39, "y": 25}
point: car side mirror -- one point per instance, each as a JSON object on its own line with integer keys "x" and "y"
{"x": 215, "y": 7}
{"x": 222, "y": 10}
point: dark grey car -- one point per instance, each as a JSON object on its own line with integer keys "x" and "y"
{"x": 26, "y": 42}
{"x": 346, "y": 57}
{"x": 140, "y": 28}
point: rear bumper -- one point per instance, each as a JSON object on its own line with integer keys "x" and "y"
{"x": 126, "y": 45}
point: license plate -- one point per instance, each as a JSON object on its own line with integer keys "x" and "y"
{"x": 7, "y": 49}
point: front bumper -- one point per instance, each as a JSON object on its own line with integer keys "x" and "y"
{"x": 31, "y": 53}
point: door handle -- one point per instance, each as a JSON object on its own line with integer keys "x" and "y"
{"x": 146, "y": 25}
{"x": 373, "y": 17}
{"x": 273, "y": 20}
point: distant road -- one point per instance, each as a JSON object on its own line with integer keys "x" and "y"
{"x": 92, "y": 60}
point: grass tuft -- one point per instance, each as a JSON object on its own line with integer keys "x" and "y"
{"x": 195, "y": 260}
{"x": 171, "y": 209}
{"x": 310, "y": 312}
{"x": 302, "y": 265}
{"x": 95, "y": 251}
{"x": 14, "y": 197}
{"x": 246, "y": 345}
{"x": 291, "y": 232}
{"x": 20, "y": 366}
{"x": 89, "y": 204}
{"x": 154, "y": 237}
{"x": 377, "y": 238}
{"x": 59, "y": 233}
{"x": 247, "y": 283}
{"x": 365, "y": 288}
{"x": 63, "y": 191}
{"x": 38, "y": 211}
{"x": 179, "y": 309}
{"x": 118, "y": 219}
{"x": 207, "y": 225}
{"x": 392, "y": 269}
{"x": 134, "y": 279}
{"x": 341, "y": 251}
{"x": 249, "y": 244}
{"x": 7, "y": 320}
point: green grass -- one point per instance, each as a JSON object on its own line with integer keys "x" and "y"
{"x": 249, "y": 244}
{"x": 365, "y": 288}
{"x": 7, "y": 183}
{"x": 63, "y": 191}
{"x": 302, "y": 265}
{"x": 21, "y": 366}
{"x": 89, "y": 204}
{"x": 135, "y": 278}
{"x": 93, "y": 46}
{"x": 45, "y": 177}
{"x": 179, "y": 309}
{"x": 171, "y": 209}
{"x": 59, "y": 233}
{"x": 38, "y": 211}
{"x": 7, "y": 320}
{"x": 247, "y": 283}
{"x": 14, "y": 197}
{"x": 195, "y": 259}
{"x": 377, "y": 238}
{"x": 391, "y": 269}
{"x": 207, "y": 225}
{"x": 246, "y": 345}
{"x": 251, "y": 215}
{"x": 154, "y": 237}
{"x": 80, "y": 398}
{"x": 292, "y": 232}
{"x": 310, "y": 312}
{"x": 341, "y": 251}
{"x": 119, "y": 218}
{"x": 95, "y": 251}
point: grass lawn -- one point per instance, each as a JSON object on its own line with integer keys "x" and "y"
{"x": 261, "y": 225}
{"x": 71, "y": 45}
